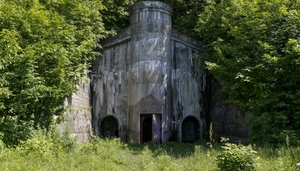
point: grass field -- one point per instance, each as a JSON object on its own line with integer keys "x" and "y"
{"x": 44, "y": 153}
{"x": 115, "y": 155}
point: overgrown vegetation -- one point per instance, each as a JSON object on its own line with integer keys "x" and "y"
{"x": 253, "y": 47}
{"x": 45, "y": 49}
{"x": 48, "y": 150}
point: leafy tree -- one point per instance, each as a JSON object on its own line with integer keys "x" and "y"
{"x": 185, "y": 14}
{"x": 45, "y": 48}
{"x": 116, "y": 14}
{"x": 253, "y": 46}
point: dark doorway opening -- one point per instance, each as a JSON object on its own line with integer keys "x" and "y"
{"x": 190, "y": 129}
{"x": 109, "y": 127}
{"x": 150, "y": 128}
{"x": 147, "y": 129}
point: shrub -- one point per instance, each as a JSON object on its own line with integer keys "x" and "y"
{"x": 13, "y": 130}
{"x": 62, "y": 140}
{"x": 236, "y": 158}
{"x": 47, "y": 143}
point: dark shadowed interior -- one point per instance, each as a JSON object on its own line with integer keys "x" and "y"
{"x": 109, "y": 127}
{"x": 190, "y": 129}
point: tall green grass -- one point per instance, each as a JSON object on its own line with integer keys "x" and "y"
{"x": 281, "y": 158}
{"x": 50, "y": 151}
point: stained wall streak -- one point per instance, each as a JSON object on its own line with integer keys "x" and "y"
{"x": 149, "y": 64}
{"x": 110, "y": 87}
{"x": 187, "y": 87}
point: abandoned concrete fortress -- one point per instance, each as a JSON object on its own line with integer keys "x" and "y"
{"x": 147, "y": 87}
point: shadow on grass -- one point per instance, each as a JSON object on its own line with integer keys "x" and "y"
{"x": 173, "y": 149}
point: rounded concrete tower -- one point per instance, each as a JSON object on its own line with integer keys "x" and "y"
{"x": 150, "y": 70}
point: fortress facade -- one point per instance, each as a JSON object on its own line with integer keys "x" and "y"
{"x": 148, "y": 87}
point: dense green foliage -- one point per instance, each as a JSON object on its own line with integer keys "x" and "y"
{"x": 184, "y": 16}
{"x": 236, "y": 157}
{"x": 116, "y": 14}
{"x": 253, "y": 46}
{"x": 50, "y": 152}
{"x": 44, "y": 49}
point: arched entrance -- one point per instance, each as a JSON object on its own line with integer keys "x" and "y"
{"x": 190, "y": 129}
{"x": 109, "y": 127}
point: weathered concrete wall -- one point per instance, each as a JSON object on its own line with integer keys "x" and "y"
{"x": 148, "y": 71}
{"x": 187, "y": 82}
{"x": 149, "y": 63}
{"x": 110, "y": 83}
{"x": 228, "y": 120}
{"x": 78, "y": 117}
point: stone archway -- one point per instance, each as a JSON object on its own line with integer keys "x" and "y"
{"x": 109, "y": 127}
{"x": 190, "y": 129}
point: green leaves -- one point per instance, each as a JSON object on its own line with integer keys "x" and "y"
{"x": 236, "y": 157}
{"x": 184, "y": 16}
{"x": 45, "y": 50}
{"x": 253, "y": 46}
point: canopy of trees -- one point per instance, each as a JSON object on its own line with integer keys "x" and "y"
{"x": 253, "y": 46}
{"x": 44, "y": 46}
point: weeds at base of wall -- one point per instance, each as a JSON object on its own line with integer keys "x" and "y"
{"x": 46, "y": 143}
